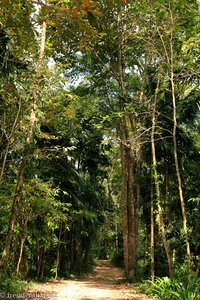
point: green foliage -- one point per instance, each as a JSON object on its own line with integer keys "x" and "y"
{"x": 11, "y": 286}
{"x": 177, "y": 288}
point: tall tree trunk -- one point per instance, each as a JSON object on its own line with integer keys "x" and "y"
{"x": 127, "y": 204}
{"x": 185, "y": 228}
{"x": 127, "y": 165}
{"x": 135, "y": 155}
{"x": 157, "y": 186}
{"x": 124, "y": 204}
{"x": 131, "y": 218}
{"x": 23, "y": 164}
{"x": 136, "y": 208}
{"x": 152, "y": 245}
{"x": 170, "y": 62}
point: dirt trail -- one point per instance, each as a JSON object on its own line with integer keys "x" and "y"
{"x": 105, "y": 284}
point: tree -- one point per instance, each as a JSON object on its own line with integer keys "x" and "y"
{"x": 27, "y": 143}
{"x": 170, "y": 45}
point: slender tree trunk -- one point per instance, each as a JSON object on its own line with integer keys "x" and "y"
{"x": 23, "y": 238}
{"x": 145, "y": 249}
{"x": 137, "y": 200}
{"x": 23, "y": 163}
{"x": 185, "y": 228}
{"x": 117, "y": 239}
{"x": 152, "y": 246}
{"x": 171, "y": 65}
{"x": 20, "y": 254}
{"x": 157, "y": 187}
{"x": 12, "y": 131}
{"x": 167, "y": 208}
{"x": 2, "y": 128}
{"x": 170, "y": 62}
{"x": 58, "y": 252}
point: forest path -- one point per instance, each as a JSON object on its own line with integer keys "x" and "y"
{"x": 106, "y": 283}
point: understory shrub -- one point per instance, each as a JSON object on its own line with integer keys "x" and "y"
{"x": 186, "y": 288}
{"x": 11, "y": 286}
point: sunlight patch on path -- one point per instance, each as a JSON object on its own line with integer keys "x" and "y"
{"x": 82, "y": 291}
{"x": 106, "y": 283}
{"x": 85, "y": 290}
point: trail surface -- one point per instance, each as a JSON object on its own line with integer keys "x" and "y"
{"x": 105, "y": 284}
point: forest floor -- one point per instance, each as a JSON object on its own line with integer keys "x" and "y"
{"x": 106, "y": 283}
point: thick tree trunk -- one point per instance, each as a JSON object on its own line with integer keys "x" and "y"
{"x": 24, "y": 264}
{"x": 131, "y": 219}
{"x": 128, "y": 203}
{"x": 23, "y": 164}
{"x": 127, "y": 195}
{"x": 135, "y": 158}
{"x": 40, "y": 261}
{"x": 124, "y": 206}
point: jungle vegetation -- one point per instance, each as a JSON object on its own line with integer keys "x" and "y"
{"x": 99, "y": 138}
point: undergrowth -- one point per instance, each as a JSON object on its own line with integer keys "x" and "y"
{"x": 183, "y": 286}
{"x": 176, "y": 289}
{"x": 11, "y": 287}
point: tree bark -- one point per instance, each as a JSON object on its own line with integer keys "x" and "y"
{"x": 124, "y": 205}
{"x": 23, "y": 164}
{"x": 131, "y": 219}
